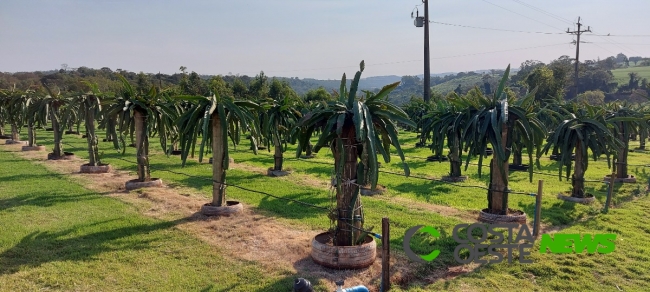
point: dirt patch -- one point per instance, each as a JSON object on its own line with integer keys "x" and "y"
{"x": 445, "y": 211}
{"x": 296, "y": 178}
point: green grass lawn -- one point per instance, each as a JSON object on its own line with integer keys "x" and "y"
{"x": 404, "y": 202}
{"x": 621, "y": 75}
{"x": 57, "y": 235}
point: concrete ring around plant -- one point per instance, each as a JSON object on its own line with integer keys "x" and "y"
{"x": 366, "y": 191}
{"x": 136, "y": 184}
{"x": 102, "y": 168}
{"x": 231, "y": 208}
{"x": 33, "y": 148}
{"x": 437, "y": 158}
{"x": 13, "y": 142}
{"x": 448, "y": 178}
{"x": 629, "y": 179}
{"x": 587, "y": 200}
{"x": 325, "y": 253}
{"x": 230, "y": 160}
{"x": 513, "y": 216}
{"x": 65, "y": 156}
{"x": 277, "y": 173}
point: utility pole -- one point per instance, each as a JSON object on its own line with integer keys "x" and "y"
{"x": 578, "y": 33}
{"x": 427, "y": 69}
{"x": 421, "y": 21}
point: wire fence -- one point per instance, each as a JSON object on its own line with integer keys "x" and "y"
{"x": 547, "y": 174}
{"x": 230, "y": 185}
{"x": 425, "y": 178}
{"x": 330, "y": 210}
{"x": 260, "y": 192}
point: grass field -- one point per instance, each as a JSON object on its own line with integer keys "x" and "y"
{"x": 621, "y": 75}
{"x": 408, "y": 202}
{"x": 57, "y": 235}
{"x": 466, "y": 83}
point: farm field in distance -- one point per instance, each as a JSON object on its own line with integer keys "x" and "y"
{"x": 119, "y": 231}
{"x": 621, "y": 74}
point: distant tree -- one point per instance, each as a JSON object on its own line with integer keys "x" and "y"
{"x": 259, "y": 87}
{"x": 635, "y": 59}
{"x": 143, "y": 84}
{"x": 547, "y": 86}
{"x": 193, "y": 85}
{"x": 596, "y": 79}
{"x": 319, "y": 94}
{"x": 595, "y": 97}
{"x": 487, "y": 87}
{"x": 219, "y": 86}
{"x": 458, "y": 90}
{"x": 634, "y": 80}
{"x": 524, "y": 69}
{"x": 608, "y": 64}
{"x": 408, "y": 81}
{"x": 279, "y": 89}
{"x": 239, "y": 88}
{"x": 620, "y": 58}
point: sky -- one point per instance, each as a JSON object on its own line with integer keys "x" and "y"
{"x": 310, "y": 38}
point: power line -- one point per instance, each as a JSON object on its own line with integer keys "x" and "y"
{"x": 620, "y": 46}
{"x": 418, "y": 60}
{"x": 620, "y": 43}
{"x": 496, "y": 29}
{"x": 554, "y": 16}
{"x": 521, "y": 15}
{"x": 621, "y": 35}
{"x": 527, "y": 48}
{"x": 544, "y": 12}
{"x": 613, "y": 53}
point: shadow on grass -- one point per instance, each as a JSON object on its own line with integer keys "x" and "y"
{"x": 41, "y": 247}
{"x": 293, "y": 210}
{"x": 274, "y": 206}
{"x": 564, "y": 212}
{"x": 28, "y": 177}
{"x": 198, "y": 182}
{"x": 425, "y": 190}
{"x": 44, "y": 200}
{"x": 416, "y": 164}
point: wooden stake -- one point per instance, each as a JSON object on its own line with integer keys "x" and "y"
{"x": 610, "y": 190}
{"x": 538, "y": 207}
{"x": 385, "y": 254}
